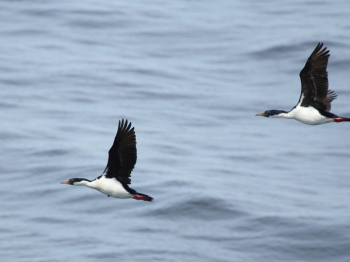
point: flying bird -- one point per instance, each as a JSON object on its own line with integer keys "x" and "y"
{"x": 121, "y": 161}
{"x": 315, "y": 99}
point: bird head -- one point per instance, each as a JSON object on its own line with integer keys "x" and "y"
{"x": 76, "y": 181}
{"x": 271, "y": 113}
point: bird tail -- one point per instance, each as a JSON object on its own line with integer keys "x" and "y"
{"x": 341, "y": 119}
{"x": 139, "y": 196}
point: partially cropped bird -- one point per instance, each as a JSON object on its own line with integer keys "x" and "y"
{"x": 315, "y": 98}
{"x": 121, "y": 161}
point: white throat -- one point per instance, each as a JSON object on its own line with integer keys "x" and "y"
{"x": 82, "y": 183}
{"x": 282, "y": 115}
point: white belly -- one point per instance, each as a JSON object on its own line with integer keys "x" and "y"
{"x": 110, "y": 187}
{"x": 308, "y": 115}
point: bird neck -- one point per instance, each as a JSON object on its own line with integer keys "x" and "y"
{"x": 86, "y": 183}
{"x": 282, "y": 114}
{"x": 91, "y": 184}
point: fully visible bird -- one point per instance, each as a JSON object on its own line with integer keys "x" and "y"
{"x": 315, "y": 98}
{"x": 121, "y": 161}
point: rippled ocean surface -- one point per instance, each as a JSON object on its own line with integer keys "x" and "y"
{"x": 190, "y": 76}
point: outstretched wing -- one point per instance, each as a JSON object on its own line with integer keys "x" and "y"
{"x": 314, "y": 81}
{"x": 123, "y": 154}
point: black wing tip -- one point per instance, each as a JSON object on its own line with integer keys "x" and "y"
{"x": 319, "y": 51}
{"x": 316, "y": 55}
{"x": 125, "y": 125}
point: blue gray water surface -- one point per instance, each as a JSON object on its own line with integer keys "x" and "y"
{"x": 190, "y": 76}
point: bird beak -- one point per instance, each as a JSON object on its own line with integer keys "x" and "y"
{"x": 262, "y": 114}
{"x": 66, "y": 182}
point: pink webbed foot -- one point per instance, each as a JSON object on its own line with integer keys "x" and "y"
{"x": 142, "y": 197}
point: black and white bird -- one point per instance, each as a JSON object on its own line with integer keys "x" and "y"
{"x": 315, "y": 98}
{"x": 121, "y": 161}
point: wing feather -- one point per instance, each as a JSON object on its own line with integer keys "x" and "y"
{"x": 314, "y": 80}
{"x": 123, "y": 154}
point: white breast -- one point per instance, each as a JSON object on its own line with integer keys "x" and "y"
{"x": 308, "y": 115}
{"x": 110, "y": 187}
